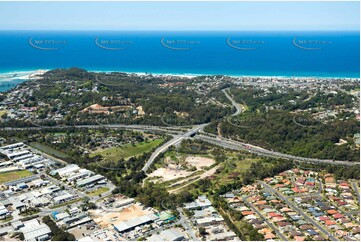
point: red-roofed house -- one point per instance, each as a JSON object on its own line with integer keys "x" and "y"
{"x": 299, "y": 238}
{"x": 338, "y": 215}
{"x": 329, "y": 222}
{"x": 245, "y": 213}
{"x": 323, "y": 218}
{"x": 272, "y": 214}
{"x": 331, "y": 211}
{"x": 269, "y": 236}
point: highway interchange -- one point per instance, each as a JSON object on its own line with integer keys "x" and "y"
{"x": 180, "y": 133}
{"x": 197, "y": 132}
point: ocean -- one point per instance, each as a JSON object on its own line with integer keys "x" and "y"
{"x": 301, "y": 54}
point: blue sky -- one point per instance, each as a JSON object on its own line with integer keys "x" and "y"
{"x": 179, "y": 16}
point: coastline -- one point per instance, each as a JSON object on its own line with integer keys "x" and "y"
{"x": 19, "y": 75}
{"x": 25, "y": 74}
{"x": 191, "y": 75}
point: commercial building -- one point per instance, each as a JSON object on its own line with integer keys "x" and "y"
{"x": 82, "y": 173}
{"x": 34, "y": 231}
{"x": 3, "y": 211}
{"x": 209, "y": 220}
{"x": 16, "y": 155}
{"x": 64, "y": 197}
{"x": 66, "y": 171}
{"x": 200, "y": 202}
{"x": 126, "y": 226}
{"x": 172, "y": 235}
{"x": 21, "y": 180}
{"x": 223, "y": 236}
{"x": 89, "y": 180}
{"x": 78, "y": 219}
{"x": 12, "y": 146}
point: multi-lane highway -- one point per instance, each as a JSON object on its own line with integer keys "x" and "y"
{"x": 236, "y": 145}
{"x": 179, "y": 134}
{"x": 177, "y": 139}
{"x": 236, "y": 105}
{"x": 170, "y": 130}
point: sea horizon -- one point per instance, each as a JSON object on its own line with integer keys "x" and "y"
{"x": 283, "y": 54}
{"x": 320, "y": 76}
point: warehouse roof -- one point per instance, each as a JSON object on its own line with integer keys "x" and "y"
{"x": 126, "y": 225}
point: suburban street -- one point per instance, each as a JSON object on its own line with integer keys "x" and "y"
{"x": 279, "y": 234}
{"x": 356, "y": 189}
{"x": 300, "y": 211}
{"x": 185, "y": 223}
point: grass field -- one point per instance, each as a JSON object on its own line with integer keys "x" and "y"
{"x": 233, "y": 166}
{"x": 99, "y": 191}
{"x": 128, "y": 150}
{"x": 67, "y": 203}
{"x": 2, "y": 112}
{"x": 59, "y": 134}
{"x": 48, "y": 150}
{"x": 13, "y": 175}
{"x": 7, "y": 219}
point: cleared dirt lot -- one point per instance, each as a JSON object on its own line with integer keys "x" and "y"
{"x": 167, "y": 174}
{"x": 173, "y": 171}
{"x": 105, "y": 219}
{"x": 199, "y": 162}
